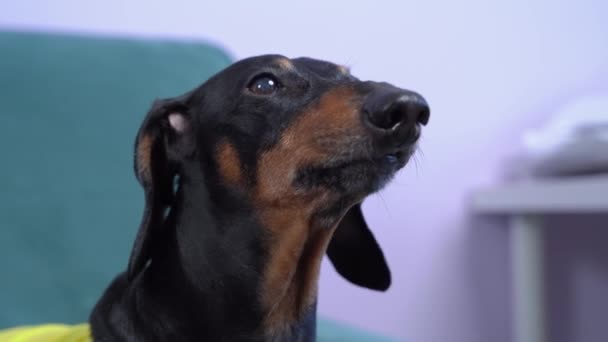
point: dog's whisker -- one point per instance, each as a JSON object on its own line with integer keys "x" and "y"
{"x": 419, "y": 151}
{"x": 416, "y": 165}
{"x": 388, "y": 212}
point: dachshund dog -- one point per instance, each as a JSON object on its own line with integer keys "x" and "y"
{"x": 249, "y": 180}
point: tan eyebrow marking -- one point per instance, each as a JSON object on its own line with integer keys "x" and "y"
{"x": 344, "y": 69}
{"x": 285, "y": 63}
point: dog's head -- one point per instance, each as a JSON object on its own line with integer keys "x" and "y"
{"x": 299, "y": 141}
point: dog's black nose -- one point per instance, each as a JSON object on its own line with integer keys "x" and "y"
{"x": 388, "y": 108}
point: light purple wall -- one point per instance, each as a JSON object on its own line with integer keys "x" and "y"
{"x": 488, "y": 69}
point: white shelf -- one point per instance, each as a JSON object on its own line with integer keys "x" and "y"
{"x": 582, "y": 194}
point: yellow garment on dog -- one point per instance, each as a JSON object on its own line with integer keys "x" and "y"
{"x": 47, "y": 333}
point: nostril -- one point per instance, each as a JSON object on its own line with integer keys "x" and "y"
{"x": 389, "y": 118}
{"x": 423, "y": 115}
{"x": 395, "y": 115}
{"x": 419, "y": 109}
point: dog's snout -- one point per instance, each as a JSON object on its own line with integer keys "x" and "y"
{"x": 388, "y": 108}
{"x": 391, "y": 111}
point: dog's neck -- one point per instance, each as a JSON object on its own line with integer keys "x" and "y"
{"x": 242, "y": 264}
{"x": 290, "y": 274}
{"x": 239, "y": 274}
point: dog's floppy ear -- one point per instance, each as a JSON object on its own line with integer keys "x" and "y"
{"x": 356, "y": 255}
{"x": 158, "y": 145}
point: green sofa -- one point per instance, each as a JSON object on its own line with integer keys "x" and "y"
{"x": 69, "y": 202}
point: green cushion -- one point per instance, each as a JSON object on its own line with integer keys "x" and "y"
{"x": 332, "y": 331}
{"x": 70, "y": 107}
{"x": 69, "y": 202}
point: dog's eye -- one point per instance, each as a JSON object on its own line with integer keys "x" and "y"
{"x": 264, "y": 85}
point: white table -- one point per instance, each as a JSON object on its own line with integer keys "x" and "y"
{"x": 526, "y": 202}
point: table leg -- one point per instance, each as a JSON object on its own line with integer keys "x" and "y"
{"x": 527, "y": 271}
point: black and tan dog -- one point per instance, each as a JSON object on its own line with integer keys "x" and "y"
{"x": 249, "y": 180}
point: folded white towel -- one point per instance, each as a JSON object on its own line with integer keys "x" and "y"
{"x": 583, "y": 119}
{"x": 574, "y": 141}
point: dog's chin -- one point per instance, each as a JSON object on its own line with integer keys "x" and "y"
{"x": 355, "y": 177}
